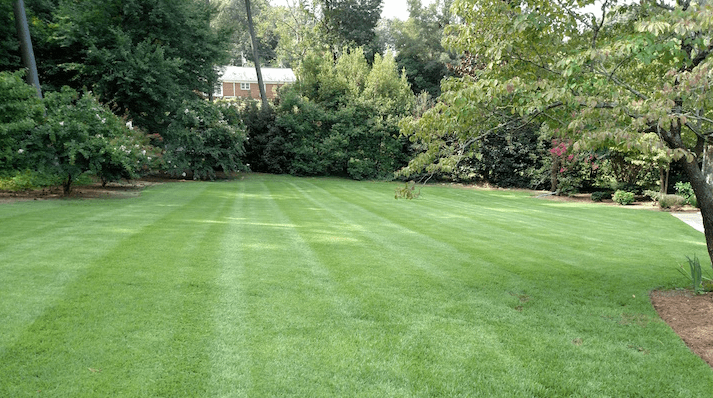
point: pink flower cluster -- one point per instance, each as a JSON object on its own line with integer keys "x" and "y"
{"x": 559, "y": 148}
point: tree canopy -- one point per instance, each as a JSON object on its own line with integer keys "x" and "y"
{"x": 139, "y": 56}
{"x": 600, "y": 77}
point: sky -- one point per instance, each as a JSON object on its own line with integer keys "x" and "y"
{"x": 398, "y": 9}
{"x": 392, "y": 8}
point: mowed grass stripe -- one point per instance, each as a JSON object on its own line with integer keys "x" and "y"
{"x": 400, "y": 301}
{"x": 282, "y": 286}
{"x": 134, "y": 323}
{"x": 58, "y": 240}
{"x": 581, "y": 281}
{"x": 295, "y": 315}
{"x": 541, "y": 231}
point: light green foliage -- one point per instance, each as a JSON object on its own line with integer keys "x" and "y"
{"x": 340, "y": 118}
{"x": 623, "y": 197}
{"x": 385, "y": 90}
{"x": 203, "y": 139}
{"x": 684, "y": 189}
{"x": 700, "y": 282}
{"x": 20, "y": 111}
{"x": 597, "y": 78}
{"x": 296, "y": 28}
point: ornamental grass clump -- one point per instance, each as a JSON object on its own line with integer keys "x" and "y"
{"x": 700, "y": 283}
{"x": 671, "y": 201}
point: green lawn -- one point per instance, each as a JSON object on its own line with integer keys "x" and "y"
{"x": 276, "y": 286}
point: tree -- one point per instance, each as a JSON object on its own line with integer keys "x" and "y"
{"x": 340, "y": 118}
{"x": 350, "y": 23}
{"x": 417, "y": 43}
{"x": 233, "y": 15}
{"x": 604, "y": 77}
{"x": 28, "y": 55}
{"x": 256, "y": 54}
{"x": 142, "y": 57}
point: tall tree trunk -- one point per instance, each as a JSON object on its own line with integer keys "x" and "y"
{"x": 256, "y": 55}
{"x": 28, "y": 55}
{"x": 704, "y": 196}
{"x": 708, "y": 163}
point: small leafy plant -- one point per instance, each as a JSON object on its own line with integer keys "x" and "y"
{"x": 623, "y": 197}
{"x": 685, "y": 190}
{"x": 408, "y": 191}
{"x": 695, "y": 273}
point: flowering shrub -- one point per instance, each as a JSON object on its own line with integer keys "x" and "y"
{"x": 572, "y": 170}
{"x": 80, "y": 135}
{"x": 201, "y": 140}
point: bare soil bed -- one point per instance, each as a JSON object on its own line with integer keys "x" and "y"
{"x": 689, "y": 315}
{"x": 93, "y": 191}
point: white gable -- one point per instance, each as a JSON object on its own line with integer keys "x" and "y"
{"x": 239, "y": 74}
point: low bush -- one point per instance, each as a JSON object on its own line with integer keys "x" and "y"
{"x": 623, "y": 197}
{"x": 654, "y": 195}
{"x": 671, "y": 201}
{"x": 201, "y": 140}
{"x": 600, "y": 195}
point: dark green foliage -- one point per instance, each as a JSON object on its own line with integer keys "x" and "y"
{"x": 351, "y": 23}
{"x": 9, "y": 45}
{"x": 202, "y": 140}
{"x": 20, "y": 111}
{"x": 142, "y": 57}
{"x": 598, "y": 196}
{"x": 339, "y": 119}
{"x": 511, "y": 159}
{"x": 349, "y": 141}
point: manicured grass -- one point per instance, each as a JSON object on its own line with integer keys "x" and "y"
{"x": 275, "y": 286}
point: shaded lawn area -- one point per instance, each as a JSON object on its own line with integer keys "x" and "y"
{"x": 280, "y": 286}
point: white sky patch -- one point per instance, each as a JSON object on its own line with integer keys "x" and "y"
{"x": 392, "y": 8}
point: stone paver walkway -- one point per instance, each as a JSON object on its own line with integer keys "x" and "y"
{"x": 692, "y": 219}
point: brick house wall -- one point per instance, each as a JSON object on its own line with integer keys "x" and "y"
{"x": 241, "y": 82}
{"x": 235, "y": 89}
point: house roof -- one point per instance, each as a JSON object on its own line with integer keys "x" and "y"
{"x": 248, "y": 74}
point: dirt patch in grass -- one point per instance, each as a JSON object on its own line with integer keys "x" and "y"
{"x": 690, "y": 316}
